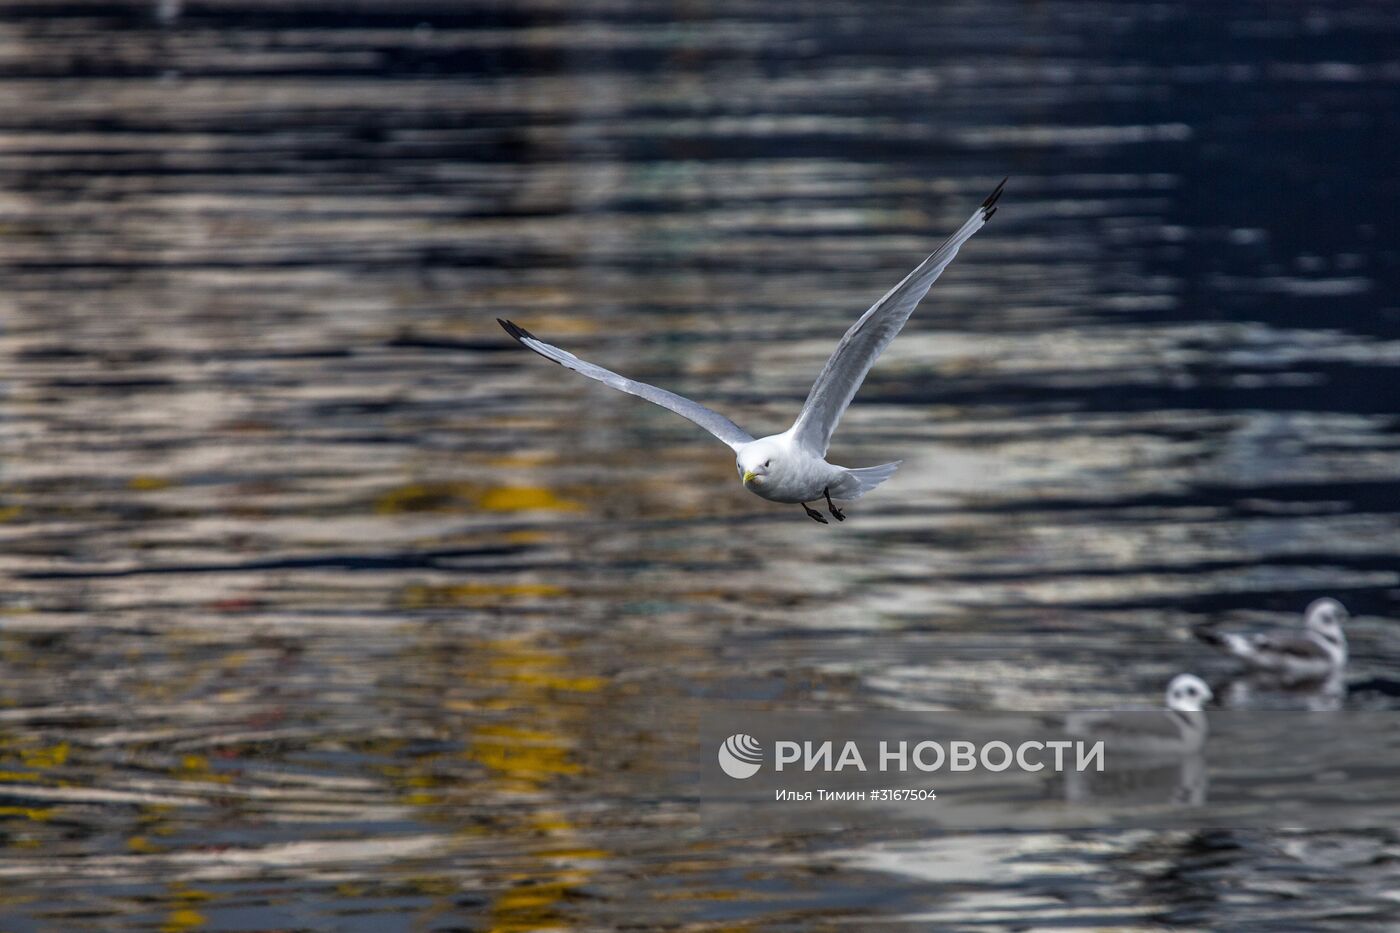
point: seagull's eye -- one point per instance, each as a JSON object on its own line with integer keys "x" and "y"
{"x": 768, "y": 463}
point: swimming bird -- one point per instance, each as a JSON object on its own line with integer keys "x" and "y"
{"x": 791, "y": 467}
{"x": 1181, "y": 727}
{"x": 1318, "y": 650}
{"x": 1155, "y": 756}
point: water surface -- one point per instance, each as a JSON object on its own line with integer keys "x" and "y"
{"x": 328, "y": 607}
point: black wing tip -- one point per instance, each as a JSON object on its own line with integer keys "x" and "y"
{"x": 1208, "y": 635}
{"x": 515, "y": 330}
{"x": 521, "y": 335}
{"x": 989, "y": 206}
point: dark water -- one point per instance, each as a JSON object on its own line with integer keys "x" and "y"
{"x": 326, "y": 607}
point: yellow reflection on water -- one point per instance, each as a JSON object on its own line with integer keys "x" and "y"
{"x": 45, "y": 757}
{"x": 518, "y": 704}
{"x": 425, "y": 596}
{"x": 183, "y": 915}
{"x": 525, "y": 498}
{"x": 37, "y": 814}
{"x": 466, "y": 497}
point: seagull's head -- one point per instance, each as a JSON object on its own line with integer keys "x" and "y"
{"x": 1325, "y": 617}
{"x": 756, "y": 461}
{"x": 1187, "y": 693}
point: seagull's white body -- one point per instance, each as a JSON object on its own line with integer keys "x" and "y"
{"x": 1318, "y": 651}
{"x": 794, "y": 475}
{"x": 1316, "y": 694}
{"x": 1140, "y": 743}
{"x": 792, "y": 467}
{"x": 780, "y": 468}
{"x": 1181, "y": 727}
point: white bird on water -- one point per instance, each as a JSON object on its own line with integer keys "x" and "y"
{"x": 1180, "y": 727}
{"x": 1140, "y": 743}
{"x": 791, "y": 467}
{"x": 1318, "y": 651}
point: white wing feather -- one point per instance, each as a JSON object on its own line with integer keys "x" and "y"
{"x": 712, "y": 421}
{"x": 843, "y": 373}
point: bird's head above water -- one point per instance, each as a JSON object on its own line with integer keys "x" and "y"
{"x": 1187, "y": 693}
{"x": 757, "y": 461}
{"x": 1325, "y": 617}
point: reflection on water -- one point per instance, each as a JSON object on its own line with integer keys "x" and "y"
{"x": 325, "y": 604}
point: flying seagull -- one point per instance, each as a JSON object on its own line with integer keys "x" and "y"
{"x": 1319, "y": 650}
{"x": 791, "y": 467}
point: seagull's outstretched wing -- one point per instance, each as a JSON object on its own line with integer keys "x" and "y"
{"x": 712, "y": 421}
{"x": 868, "y": 337}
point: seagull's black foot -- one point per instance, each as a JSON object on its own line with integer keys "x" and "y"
{"x": 814, "y": 515}
{"x": 836, "y": 513}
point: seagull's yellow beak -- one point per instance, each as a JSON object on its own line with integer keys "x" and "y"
{"x": 748, "y": 475}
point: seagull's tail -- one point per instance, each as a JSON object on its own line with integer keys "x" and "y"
{"x": 866, "y": 479}
{"x": 1228, "y": 642}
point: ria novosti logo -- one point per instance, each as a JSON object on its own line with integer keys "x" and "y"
{"x": 740, "y": 756}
